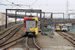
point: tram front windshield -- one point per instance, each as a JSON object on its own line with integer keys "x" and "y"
{"x": 57, "y": 26}
{"x": 30, "y": 24}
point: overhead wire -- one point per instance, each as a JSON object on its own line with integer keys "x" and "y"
{"x": 33, "y": 3}
{"x": 13, "y": 4}
{"x": 10, "y": 2}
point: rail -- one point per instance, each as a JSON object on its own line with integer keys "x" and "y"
{"x": 66, "y": 36}
{"x": 9, "y": 36}
{"x": 34, "y": 43}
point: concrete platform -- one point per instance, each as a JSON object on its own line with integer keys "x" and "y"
{"x": 56, "y": 43}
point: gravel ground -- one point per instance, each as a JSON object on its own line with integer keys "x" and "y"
{"x": 21, "y": 44}
{"x": 56, "y": 43}
{"x": 17, "y": 35}
{"x": 46, "y": 43}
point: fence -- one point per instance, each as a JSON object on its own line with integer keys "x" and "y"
{"x": 48, "y": 31}
{"x": 72, "y": 29}
{"x": 2, "y": 27}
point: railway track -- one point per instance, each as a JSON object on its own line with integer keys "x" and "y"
{"x": 12, "y": 43}
{"x": 68, "y": 36}
{"x": 8, "y": 29}
{"x": 71, "y": 35}
{"x": 8, "y": 32}
{"x": 31, "y": 44}
{"x": 6, "y": 40}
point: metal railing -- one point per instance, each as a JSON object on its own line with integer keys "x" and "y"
{"x": 47, "y": 31}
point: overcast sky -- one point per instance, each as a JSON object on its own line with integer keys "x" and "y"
{"x": 45, "y": 5}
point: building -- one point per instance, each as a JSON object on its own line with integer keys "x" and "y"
{"x": 3, "y": 19}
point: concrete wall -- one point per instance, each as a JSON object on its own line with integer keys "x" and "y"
{"x": 3, "y": 19}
